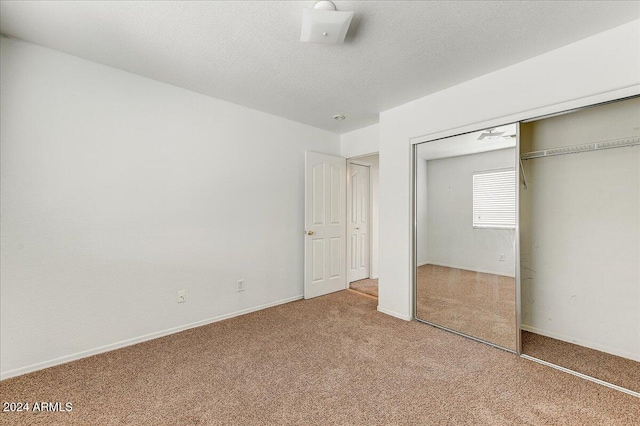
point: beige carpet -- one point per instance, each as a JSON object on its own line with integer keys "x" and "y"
{"x": 610, "y": 368}
{"x": 367, "y": 286}
{"x": 302, "y": 364}
{"x": 473, "y": 303}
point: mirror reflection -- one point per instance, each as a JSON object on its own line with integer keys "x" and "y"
{"x": 465, "y": 234}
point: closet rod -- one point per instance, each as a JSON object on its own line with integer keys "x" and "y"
{"x": 576, "y": 149}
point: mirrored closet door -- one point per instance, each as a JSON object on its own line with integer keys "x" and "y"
{"x": 580, "y": 241}
{"x": 465, "y": 236}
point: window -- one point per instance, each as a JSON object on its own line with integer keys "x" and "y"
{"x": 494, "y": 199}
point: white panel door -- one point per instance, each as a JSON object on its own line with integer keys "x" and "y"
{"x": 358, "y": 216}
{"x": 325, "y": 228}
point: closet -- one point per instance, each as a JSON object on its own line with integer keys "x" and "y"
{"x": 580, "y": 241}
{"x": 527, "y": 237}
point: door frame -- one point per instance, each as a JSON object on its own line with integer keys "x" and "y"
{"x": 357, "y": 162}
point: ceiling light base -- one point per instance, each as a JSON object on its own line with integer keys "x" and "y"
{"x": 324, "y": 5}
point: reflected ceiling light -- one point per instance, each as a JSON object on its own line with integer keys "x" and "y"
{"x": 490, "y": 135}
{"x": 324, "y": 24}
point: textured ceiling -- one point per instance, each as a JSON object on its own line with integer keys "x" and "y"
{"x": 249, "y": 52}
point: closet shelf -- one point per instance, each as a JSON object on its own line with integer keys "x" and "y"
{"x": 576, "y": 149}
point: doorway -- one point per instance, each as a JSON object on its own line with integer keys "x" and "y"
{"x": 362, "y": 224}
{"x": 337, "y": 221}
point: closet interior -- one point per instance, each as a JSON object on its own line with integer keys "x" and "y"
{"x": 580, "y": 241}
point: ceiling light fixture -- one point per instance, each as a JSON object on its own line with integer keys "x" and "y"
{"x": 490, "y": 135}
{"x": 324, "y": 24}
{"x": 339, "y": 117}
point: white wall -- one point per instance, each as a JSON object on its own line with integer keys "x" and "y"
{"x": 580, "y": 231}
{"x": 599, "y": 68}
{"x": 452, "y": 240}
{"x": 360, "y": 142}
{"x": 118, "y": 191}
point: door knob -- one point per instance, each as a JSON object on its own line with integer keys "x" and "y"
{"x": 357, "y": 229}
{"x": 310, "y": 232}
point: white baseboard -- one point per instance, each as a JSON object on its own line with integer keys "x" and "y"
{"x": 73, "y": 357}
{"x": 591, "y": 345}
{"x": 464, "y": 268}
{"x": 394, "y": 314}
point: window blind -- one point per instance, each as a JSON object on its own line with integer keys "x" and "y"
{"x": 494, "y": 199}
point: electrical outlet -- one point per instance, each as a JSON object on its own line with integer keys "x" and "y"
{"x": 240, "y": 285}
{"x": 501, "y": 257}
{"x": 182, "y": 296}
